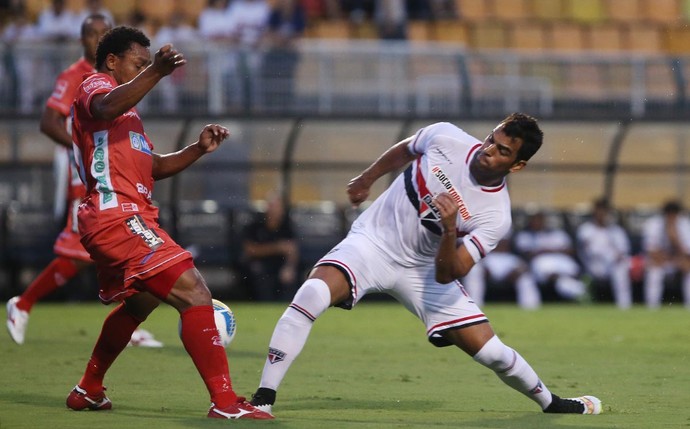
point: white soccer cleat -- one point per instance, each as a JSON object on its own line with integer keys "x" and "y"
{"x": 592, "y": 404}
{"x": 17, "y": 320}
{"x": 143, "y": 338}
{"x": 581, "y": 405}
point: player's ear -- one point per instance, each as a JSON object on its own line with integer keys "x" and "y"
{"x": 517, "y": 166}
{"x": 110, "y": 61}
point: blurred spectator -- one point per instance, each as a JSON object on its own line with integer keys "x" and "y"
{"x": 604, "y": 249}
{"x": 358, "y": 11}
{"x": 270, "y": 253}
{"x": 138, "y": 19}
{"x": 94, "y": 7}
{"x": 550, "y": 253}
{"x": 248, "y": 21}
{"x": 178, "y": 33}
{"x": 56, "y": 23}
{"x": 666, "y": 243}
{"x": 212, "y": 23}
{"x": 286, "y": 24}
{"x": 502, "y": 266}
{"x": 20, "y": 68}
{"x": 391, "y": 19}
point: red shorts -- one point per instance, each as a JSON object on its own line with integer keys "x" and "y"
{"x": 130, "y": 251}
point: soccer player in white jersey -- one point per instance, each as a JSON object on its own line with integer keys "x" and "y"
{"x": 666, "y": 244}
{"x": 446, "y": 212}
{"x": 604, "y": 249}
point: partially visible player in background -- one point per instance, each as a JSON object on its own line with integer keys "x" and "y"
{"x": 666, "y": 245}
{"x": 71, "y": 257}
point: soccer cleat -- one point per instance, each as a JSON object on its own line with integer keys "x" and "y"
{"x": 17, "y": 320}
{"x": 79, "y": 399}
{"x": 581, "y": 405}
{"x": 239, "y": 410}
{"x": 264, "y": 399}
{"x": 143, "y": 338}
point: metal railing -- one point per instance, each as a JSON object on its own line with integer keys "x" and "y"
{"x": 384, "y": 79}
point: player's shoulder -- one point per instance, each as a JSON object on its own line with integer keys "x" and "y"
{"x": 447, "y": 133}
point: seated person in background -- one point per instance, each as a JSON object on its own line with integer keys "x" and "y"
{"x": 604, "y": 249}
{"x": 270, "y": 253}
{"x": 666, "y": 244}
{"x": 503, "y": 266}
{"x": 550, "y": 254}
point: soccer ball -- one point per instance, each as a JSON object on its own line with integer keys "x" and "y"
{"x": 225, "y": 322}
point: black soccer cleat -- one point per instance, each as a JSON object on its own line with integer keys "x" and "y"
{"x": 581, "y": 405}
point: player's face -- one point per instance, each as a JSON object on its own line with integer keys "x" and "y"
{"x": 93, "y": 31}
{"x": 498, "y": 154}
{"x": 130, "y": 63}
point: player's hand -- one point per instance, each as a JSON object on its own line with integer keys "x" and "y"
{"x": 448, "y": 210}
{"x": 211, "y": 137}
{"x": 358, "y": 190}
{"x": 167, "y": 59}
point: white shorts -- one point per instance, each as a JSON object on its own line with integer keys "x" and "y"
{"x": 370, "y": 270}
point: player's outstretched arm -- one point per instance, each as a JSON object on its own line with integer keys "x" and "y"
{"x": 395, "y": 157}
{"x": 210, "y": 138}
{"x": 127, "y": 95}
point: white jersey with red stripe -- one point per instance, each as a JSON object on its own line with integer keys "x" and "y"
{"x": 403, "y": 220}
{"x": 392, "y": 245}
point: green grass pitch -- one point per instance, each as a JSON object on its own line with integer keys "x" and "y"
{"x": 368, "y": 368}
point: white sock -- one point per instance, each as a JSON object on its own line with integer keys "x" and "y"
{"x": 654, "y": 287}
{"x": 513, "y": 370}
{"x": 620, "y": 281}
{"x": 292, "y": 330}
{"x": 527, "y": 291}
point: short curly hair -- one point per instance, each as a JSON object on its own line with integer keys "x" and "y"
{"x": 118, "y": 41}
{"x": 524, "y": 127}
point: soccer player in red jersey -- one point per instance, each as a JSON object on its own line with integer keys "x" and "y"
{"x": 139, "y": 265}
{"x": 71, "y": 257}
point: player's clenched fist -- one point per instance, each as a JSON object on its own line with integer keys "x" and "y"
{"x": 167, "y": 59}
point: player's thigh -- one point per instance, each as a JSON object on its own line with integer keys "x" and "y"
{"x": 439, "y": 306}
{"x": 189, "y": 290}
{"x": 141, "y": 304}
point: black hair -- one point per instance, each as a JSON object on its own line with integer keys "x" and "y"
{"x": 525, "y": 128}
{"x": 672, "y": 207}
{"x": 89, "y": 19}
{"x": 602, "y": 203}
{"x": 118, "y": 41}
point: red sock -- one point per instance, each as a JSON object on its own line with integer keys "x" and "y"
{"x": 201, "y": 340}
{"x": 56, "y": 274}
{"x": 115, "y": 334}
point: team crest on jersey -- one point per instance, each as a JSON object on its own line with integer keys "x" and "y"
{"x": 137, "y": 225}
{"x": 275, "y": 355}
{"x": 454, "y": 194}
{"x": 139, "y": 143}
{"x": 538, "y": 389}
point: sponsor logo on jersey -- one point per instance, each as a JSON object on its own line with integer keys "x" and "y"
{"x": 275, "y": 355}
{"x": 60, "y": 89}
{"x": 97, "y": 83}
{"x": 454, "y": 194}
{"x": 129, "y": 207}
{"x": 142, "y": 189}
{"x": 100, "y": 170}
{"x": 138, "y": 142}
{"x": 137, "y": 225}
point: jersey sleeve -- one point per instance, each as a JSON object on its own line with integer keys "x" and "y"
{"x": 91, "y": 87}
{"x": 484, "y": 239}
{"x": 64, "y": 92}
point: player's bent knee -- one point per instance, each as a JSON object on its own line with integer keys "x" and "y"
{"x": 495, "y": 355}
{"x": 312, "y": 299}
